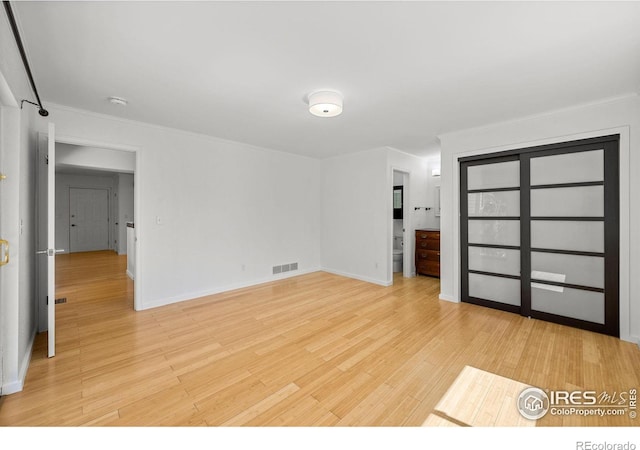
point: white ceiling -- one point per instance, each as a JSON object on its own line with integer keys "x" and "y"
{"x": 76, "y": 170}
{"x": 408, "y": 70}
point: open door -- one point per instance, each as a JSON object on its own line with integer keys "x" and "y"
{"x": 46, "y": 234}
{"x": 4, "y": 249}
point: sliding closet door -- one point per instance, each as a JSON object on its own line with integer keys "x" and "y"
{"x": 574, "y": 235}
{"x": 539, "y": 232}
{"x": 490, "y": 219}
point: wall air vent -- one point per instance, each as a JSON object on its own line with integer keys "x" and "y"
{"x": 285, "y": 268}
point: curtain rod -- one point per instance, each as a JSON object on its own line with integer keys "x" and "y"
{"x": 16, "y": 34}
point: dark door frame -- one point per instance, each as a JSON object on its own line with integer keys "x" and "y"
{"x": 611, "y": 219}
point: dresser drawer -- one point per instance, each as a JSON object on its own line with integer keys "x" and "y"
{"x": 428, "y": 255}
{"x": 435, "y": 235}
{"x": 425, "y": 267}
{"x": 427, "y": 244}
{"x": 428, "y": 252}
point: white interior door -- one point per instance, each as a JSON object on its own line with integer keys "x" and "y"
{"x": 51, "y": 241}
{"x": 46, "y": 237}
{"x": 88, "y": 219}
{"x": 1, "y": 243}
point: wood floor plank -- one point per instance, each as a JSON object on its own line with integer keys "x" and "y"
{"x": 312, "y": 350}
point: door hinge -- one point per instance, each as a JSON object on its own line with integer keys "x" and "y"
{"x": 46, "y": 159}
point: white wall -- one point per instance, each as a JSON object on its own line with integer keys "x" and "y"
{"x": 356, "y": 195}
{"x": 9, "y": 274}
{"x": 95, "y": 158}
{"x": 357, "y": 211}
{"x": 125, "y": 209}
{"x": 64, "y": 182}
{"x": 27, "y": 230}
{"x": 211, "y": 215}
{"x": 431, "y": 219}
{"x": 608, "y": 117}
{"x": 415, "y": 194}
{"x": 17, "y": 279}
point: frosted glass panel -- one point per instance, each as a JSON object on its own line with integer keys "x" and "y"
{"x": 568, "y": 168}
{"x": 498, "y": 175}
{"x": 504, "y": 203}
{"x": 585, "y": 201}
{"x": 575, "y": 269}
{"x": 496, "y": 260}
{"x": 497, "y": 289}
{"x": 561, "y": 235}
{"x": 575, "y": 303}
{"x": 498, "y": 232}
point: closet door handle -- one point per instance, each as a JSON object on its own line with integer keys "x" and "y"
{"x": 5, "y": 248}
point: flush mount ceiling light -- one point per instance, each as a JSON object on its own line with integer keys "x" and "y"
{"x": 325, "y": 103}
{"x": 118, "y": 101}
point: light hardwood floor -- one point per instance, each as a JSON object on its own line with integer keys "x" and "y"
{"x": 314, "y": 350}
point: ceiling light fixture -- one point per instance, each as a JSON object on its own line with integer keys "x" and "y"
{"x": 118, "y": 101}
{"x": 325, "y": 103}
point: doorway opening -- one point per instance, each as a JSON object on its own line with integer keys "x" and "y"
{"x": 400, "y": 260}
{"x": 95, "y": 206}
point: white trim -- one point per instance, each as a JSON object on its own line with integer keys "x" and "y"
{"x": 407, "y": 223}
{"x": 358, "y": 277}
{"x": 231, "y": 287}
{"x": 73, "y": 140}
{"x": 447, "y": 298}
{"x": 625, "y": 205}
{"x": 18, "y": 385}
{"x": 130, "y": 275}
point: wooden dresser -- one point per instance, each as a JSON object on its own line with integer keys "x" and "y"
{"x": 428, "y": 252}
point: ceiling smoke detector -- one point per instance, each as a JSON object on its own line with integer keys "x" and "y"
{"x": 118, "y": 101}
{"x": 325, "y": 103}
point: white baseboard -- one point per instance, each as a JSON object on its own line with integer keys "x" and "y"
{"x": 231, "y": 287}
{"x": 17, "y": 385}
{"x": 130, "y": 275}
{"x": 358, "y": 277}
{"x": 448, "y": 298}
